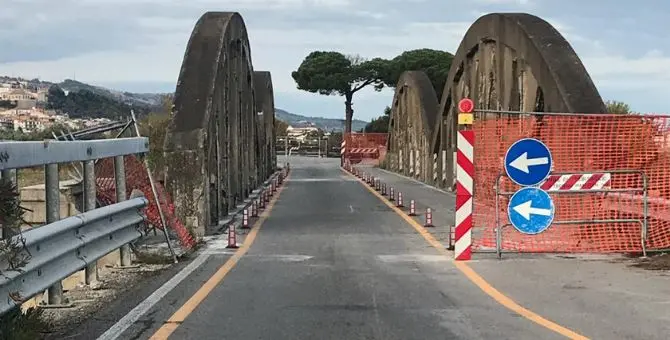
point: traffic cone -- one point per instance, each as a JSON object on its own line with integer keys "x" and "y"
{"x": 400, "y": 200}
{"x": 429, "y": 218}
{"x": 245, "y": 219}
{"x": 232, "y": 237}
{"x": 254, "y": 208}
{"x": 412, "y": 208}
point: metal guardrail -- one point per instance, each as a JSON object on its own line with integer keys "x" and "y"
{"x": 59, "y": 249}
{"x": 15, "y": 155}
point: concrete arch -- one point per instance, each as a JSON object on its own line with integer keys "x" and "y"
{"x": 211, "y": 143}
{"x": 517, "y": 62}
{"x": 412, "y": 122}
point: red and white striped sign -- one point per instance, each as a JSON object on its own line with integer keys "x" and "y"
{"x": 342, "y": 147}
{"x": 362, "y": 150}
{"x": 576, "y": 182}
{"x": 465, "y": 171}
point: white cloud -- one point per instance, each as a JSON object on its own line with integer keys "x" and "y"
{"x": 503, "y": 2}
{"x": 144, "y": 40}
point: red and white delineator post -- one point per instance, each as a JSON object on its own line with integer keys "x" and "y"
{"x": 245, "y": 219}
{"x": 391, "y": 195}
{"x": 254, "y": 208}
{"x": 412, "y": 208}
{"x": 232, "y": 237}
{"x": 262, "y": 199}
{"x": 399, "y": 205}
{"x": 465, "y": 172}
{"x": 429, "y": 218}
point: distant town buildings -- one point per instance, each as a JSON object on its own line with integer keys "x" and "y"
{"x": 27, "y": 113}
{"x": 300, "y": 130}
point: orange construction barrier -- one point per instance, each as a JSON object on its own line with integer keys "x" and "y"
{"x": 626, "y": 158}
{"x": 365, "y": 148}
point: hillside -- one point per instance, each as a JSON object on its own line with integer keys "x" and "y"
{"x": 85, "y": 100}
{"x": 327, "y": 124}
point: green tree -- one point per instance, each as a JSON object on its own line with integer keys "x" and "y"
{"x": 56, "y": 98}
{"x": 154, "y": 126}
{"x": 434, "y": 63}
{"x": 379, "y": 124}
{"x": 616, "y": 107}
{"x": 15, "y": 325}
{"x": 280, "y": 127}
{"x": 333, "y": 73}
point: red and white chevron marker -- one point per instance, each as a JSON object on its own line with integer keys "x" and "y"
{"x": 577, "y": 182}
{"x": 465, "y": 172}
{"x": 362, "y": 150}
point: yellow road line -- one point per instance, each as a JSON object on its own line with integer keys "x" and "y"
{"x": 189, "y": 306}
{"x": 472, "y": 275}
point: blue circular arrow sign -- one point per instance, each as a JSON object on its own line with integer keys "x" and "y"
{"x": 528, "y": 162}
{"x": 531, "y": 210}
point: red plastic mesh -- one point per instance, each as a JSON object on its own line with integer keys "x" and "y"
{"x": 365, "y": 148}
{"x": 137, "y": 178}
{"x": 580, "y": 143}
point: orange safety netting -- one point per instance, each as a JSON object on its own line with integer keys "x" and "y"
{"x": 633, "y": 144}
{"x": 366, "y": 148}
{"x": 137, "y": 178}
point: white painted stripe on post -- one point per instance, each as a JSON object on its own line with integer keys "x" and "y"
{"x": 463, "y": 243}
{"x": 465, "y": 147}
{"x": 464, "y": 178}
{"x": 444, "y": 165}
{"x": 464, "y": 212}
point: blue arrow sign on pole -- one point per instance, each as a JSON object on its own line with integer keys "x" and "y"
{"x": 528, "y": 162}
{"x": 531, "y": 210}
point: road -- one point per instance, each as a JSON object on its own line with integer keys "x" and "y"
{"x": 332, "y": 261}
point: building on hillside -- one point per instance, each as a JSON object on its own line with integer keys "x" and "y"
{"x": 301, "y": 129}
{"x": 27, "y": 120}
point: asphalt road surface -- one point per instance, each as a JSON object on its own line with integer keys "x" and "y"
{"x": 331, "y": 261}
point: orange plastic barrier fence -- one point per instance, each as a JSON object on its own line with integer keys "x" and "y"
{"x": 368, "y": 148}
{"x": 580, "y": 143}
{"x": 137, "y": 178}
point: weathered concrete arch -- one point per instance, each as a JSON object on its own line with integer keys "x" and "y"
{"x": 265, "y": 107}
{"x": 512, "y": 61}
{"x": 212, "y": 140}
{"x": 413, "y": 116}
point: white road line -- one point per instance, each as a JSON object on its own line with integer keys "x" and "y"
{"x": 129, "y": 319}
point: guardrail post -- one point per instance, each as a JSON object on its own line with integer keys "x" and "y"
{"x": 91, "y": 272}
{"x": 52, "y": 198}
{"x": 120, "y": 179}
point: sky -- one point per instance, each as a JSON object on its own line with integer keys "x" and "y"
{"x": 138, "y": 45}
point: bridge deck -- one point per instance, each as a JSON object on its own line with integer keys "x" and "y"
{"x": 333, "y": 261}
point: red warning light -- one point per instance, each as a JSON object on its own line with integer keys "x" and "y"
{"x": 466, "y": 105}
